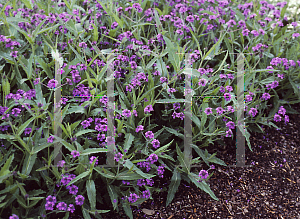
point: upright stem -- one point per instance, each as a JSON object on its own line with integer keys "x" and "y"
{"x": 57, "y": 114}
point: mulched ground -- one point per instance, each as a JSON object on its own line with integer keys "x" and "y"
{"x": 269, "y": 189}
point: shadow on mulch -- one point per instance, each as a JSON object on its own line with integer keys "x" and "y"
{"x": 268, "y": 189}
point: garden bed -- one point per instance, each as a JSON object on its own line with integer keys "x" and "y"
{"x": 270, "y": 189}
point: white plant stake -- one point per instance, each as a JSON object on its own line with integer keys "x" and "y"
{"x": 56, "y": 57}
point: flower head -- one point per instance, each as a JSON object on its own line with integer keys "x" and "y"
{"x": 79, "y": 200}
{"x": 203, "y": 174}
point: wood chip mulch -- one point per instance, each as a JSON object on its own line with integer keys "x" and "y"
{"x": 268, "y": 189}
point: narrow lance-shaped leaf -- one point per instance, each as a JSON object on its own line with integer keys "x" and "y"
{"x": 80, "y": 176}
{"x": 113, "y": 195}
{"x": 175, "y": 182}
{"x": 91, "y": 192}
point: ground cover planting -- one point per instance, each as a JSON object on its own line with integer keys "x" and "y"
{"x": 167, "y": 62}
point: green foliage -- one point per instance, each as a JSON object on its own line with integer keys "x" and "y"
{"x": 26, "y": 160}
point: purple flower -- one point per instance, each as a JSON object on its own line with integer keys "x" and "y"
{"x": 245, "y": 32}
{"x": 155, "y": 143}
{"x": 190, "y": 18}
{"x": 141, "y": 182}
{"x": 79, "y": 200}
{"x": 208, "y": 110}
{"x": 49, "y": 206}
{"x": 286, "y": 119}
{"x": 281, "y": 111}
{"x": 227, "y": 96}
{"x": 176, "y": 106}
{"x": 36, "y": 81}
{"x": 277, "y": 118}
{"x": 229, "y": 133}
{"x": 149, "y": 134}
{"x": 160, "y": 171}
{"x": 50, "y": 139}
{"x": 92, "y": 159}
{"x": 150, "y": 182}
{"x": 14, "y": 54}
{"x": 171, "y": 90}
{"x": 148, "y": 109}
{"x": 61, "y": 163}
{"x": 203, "y": 174}
{"x": 83, "y": 45}
{"x": 153, "y": 158}
{"x": 219, "y": 110}
{"x": 16, "y": 112}
{"x": 230, "y": 109}
{"x": 253, "y": 112}
{"x": 133, "y": 197}
{"x": 61, "y": 206}
{"x": 51, "y": 199}
{"x": 52, "y": 83}
{"x": 146, "y": 194}
{"x": 14, "y": 217}
{"x": 139, "y": 128}
{"x": 75, "y": 154}
{"x": 126, "y": 113}
{"x": 230, "y": 125}
{"x": 266, "y": 96}
{"x": 71, "y": 208}
{"x": 163, "y": 79}
{"x": 73, "y": 189}
{"x": 202, "y": 82}
{"x": 114, "y": 25}
{"x": 118, "y": 156}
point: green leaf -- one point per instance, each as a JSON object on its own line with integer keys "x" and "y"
{"x": 44, "y": 66}
{"x": 23, "y": 191}
{"x": 214, "y": 50}
{"x": 77, "y": 54}
{"x": 200, "y": 153}
{"x": 113, "y": 195}
{"x": 5, "y": 168}
{"x": 93, "y": 151}
{"x": 23, "y": 32}
{"x": 130, "y": 165}
{"x": 82, "y": 132}
{"x": 76, "y": 109}
{"x": 173, "y": 131}
{"x": 180, "y": 157}
{"x": 106, "y": 173}
{"x": 173, "y": 57}
{"x": 79, "y": 177}
{"x": 196, "y": 120}
{"x": 175, "y": 182}
{"x": 28, "y": 4}
{"x": 85, "y": 213}
{"x": 67, "y": 4}
{"x": 28, "y": 163}
{"x": 206, "y": 12}
{"x": 170, "y": 101}
{"x": 62, "y": 141}
{"x": 128, "y": 141}
{"x": 91, "y": 192}
{"x": 163, "y": 149}
{"x": 34, "y": 35}
{"x": 150, "y": 64}
{"x": 23, "y": 126}
{"x": 125, "y": 175}
{"x": 127, "y": 210}
{"x": 202, "y": 185}
{"x": 204, "y": 116}
{"x": 158, "y": 23}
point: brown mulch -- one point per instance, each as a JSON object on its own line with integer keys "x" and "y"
{"x": 269, "y": 189}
